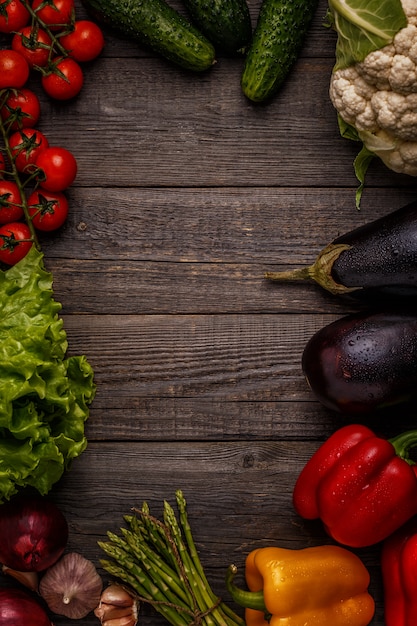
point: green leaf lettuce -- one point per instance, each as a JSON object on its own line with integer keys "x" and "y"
{"x": 44, "y": 395}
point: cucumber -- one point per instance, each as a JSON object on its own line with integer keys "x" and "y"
{"x": 226, "y": 23}
{"x": 276, "y": 43}
{"x": 155, "y": 24}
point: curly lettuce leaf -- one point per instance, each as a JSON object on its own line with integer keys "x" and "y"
{"x": 44, "y": 396}
{"x": 363, "y": 26}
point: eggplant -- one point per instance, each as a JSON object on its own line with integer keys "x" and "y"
{"x": 377, "y": 259}
{"x": 364, "y": 362}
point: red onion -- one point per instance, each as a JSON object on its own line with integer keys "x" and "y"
{"x": 18, "y": 607}
{"x": 33, "y": 533}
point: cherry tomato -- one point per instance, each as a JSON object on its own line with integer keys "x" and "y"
{"x": 10, "y": 202}
{"x": 15, "y": 242}
{"x": 22, "y": 109}
{"x": 85, "y": 42}
{"x": 26, "y": 145}
{"x": 64, "y": 81}
{"x": 14, "y": 69}
{"x": 54, "y": 13}
{"x": 33, "y": 43}
{"x": 59, "y": 168}
{"x": 48, "y": 210}
{"x": 13, "y": 16}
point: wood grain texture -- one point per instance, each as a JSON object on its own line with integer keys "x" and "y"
{"x": 186, "y": 194}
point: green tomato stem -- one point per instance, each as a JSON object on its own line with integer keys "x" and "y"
{"x": 15, "y": 174}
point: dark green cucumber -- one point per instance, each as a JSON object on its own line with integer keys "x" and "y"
{"x": 226, "y": 23}
{"x": 155, "y": 24}
{"x": 276, "y": 43}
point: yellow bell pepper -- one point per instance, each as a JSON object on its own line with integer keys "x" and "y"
{"x": 322, "y": 585}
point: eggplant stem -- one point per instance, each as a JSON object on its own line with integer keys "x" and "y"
{"x": 304, "y": 273}
{"x": 320, "y": 272}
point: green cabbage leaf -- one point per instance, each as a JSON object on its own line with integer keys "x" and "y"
{"x": 44, "y": 394}
{"x": 363, "y": 26}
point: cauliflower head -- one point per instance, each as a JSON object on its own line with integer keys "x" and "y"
{"x": 378, "y": 97}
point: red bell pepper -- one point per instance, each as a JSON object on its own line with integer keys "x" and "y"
{"x": 399, "y": 575}
{"x": 362, "y": 486}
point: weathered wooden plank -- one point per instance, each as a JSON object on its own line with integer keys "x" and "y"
{"x": 233, "y": 356}
{"x": 278, "y": 226}
{"x": 133, "y": 288}
{"x": 217, "y": 419}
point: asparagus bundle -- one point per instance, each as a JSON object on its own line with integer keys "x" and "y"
{"x": 159, "y": 561}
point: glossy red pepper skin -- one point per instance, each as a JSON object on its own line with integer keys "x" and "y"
{"x": 361, "y": 486}
{"x": 399, "y": 574}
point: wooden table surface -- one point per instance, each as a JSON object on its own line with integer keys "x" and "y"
{"x": 186, "y": 194}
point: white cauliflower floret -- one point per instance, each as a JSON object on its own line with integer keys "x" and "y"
{"x": 410, "y": 9}
{"x": 352, "y": 97}
{"x": 403, "y": 159}
{"x": 394, "y": 66}
{"x": 376, "y": 68}
{"x": 396, "y": 114}
{"x": 378, "y": 97}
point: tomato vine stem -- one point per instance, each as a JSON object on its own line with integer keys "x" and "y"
{"x": 4, "y": 127}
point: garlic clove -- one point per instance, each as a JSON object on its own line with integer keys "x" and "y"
{"x": 107, "y": 611}
{"x": 128, "y": 620}
{"x": 116, "y": 595}
{"x": 72, "y": 587}
{"x": 117, "y": 607}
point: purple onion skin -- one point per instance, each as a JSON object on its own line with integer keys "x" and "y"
{"x": 33, "y": 533}
{"x": 18, "y": 607}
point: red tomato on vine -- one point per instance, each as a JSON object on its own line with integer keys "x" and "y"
{"x": 10, "y": 202}
{"x": 85, "y": 42}
{"x": 14, "y": 69}
{"x": 13, "y": 16}
{"x": 48, "y": 210}
{"x": 65, "y": 79}
{"x": 58, "y": 168}
{"x": 26, "y": 146}
{"x": 33, "y": 44}
{"x": 54, "y": 13}
{"x": 21, "y": 109}
{"x": 15, "y": 242}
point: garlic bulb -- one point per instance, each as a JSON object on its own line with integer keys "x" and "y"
{"x": 72, "y": 587}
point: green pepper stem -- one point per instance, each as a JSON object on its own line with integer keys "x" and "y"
{"x": 247, "y": 599}
{"x": 403, "y": 443}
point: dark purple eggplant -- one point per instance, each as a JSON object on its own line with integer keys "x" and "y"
{"x": 377, "y": 259}
{"x": 363, "y": 362}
